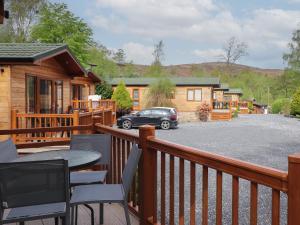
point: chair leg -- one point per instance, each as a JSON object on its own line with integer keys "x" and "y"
{"x": 101, "y": 213}
{"x": 76, "y": 214}
{"x": 72, "y": 215}
{"x": 22, "y": 223}
{"x": 56, "y": 220}
{"x": 126, "y": 213}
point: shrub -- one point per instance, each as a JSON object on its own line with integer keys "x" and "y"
{"x": 250, "y": 106}
{"x": 203, "y": 111}
{"x": 235, "y": 114}
{"x": 160, "y": 93}
{"x": 295, "y": 104}
{"x": 104, "y": 90}
{"x": 122, "y": 98}
{"x": 281, "y": 105}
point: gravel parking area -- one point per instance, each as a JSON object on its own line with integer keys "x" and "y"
{"x": 262, "y": 139}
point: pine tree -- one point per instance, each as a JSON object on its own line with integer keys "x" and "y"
{"x": 122, "y": 97}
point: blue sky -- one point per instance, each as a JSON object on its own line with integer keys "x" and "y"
{"x": 193, "y": 31}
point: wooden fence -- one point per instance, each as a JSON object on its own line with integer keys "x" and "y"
{"x": 32, "y": 121}
{"x": 158, "y": 163}
{"x": 153, "y": 196}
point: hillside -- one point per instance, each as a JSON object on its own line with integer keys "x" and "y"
{"x": 209, "y": 68}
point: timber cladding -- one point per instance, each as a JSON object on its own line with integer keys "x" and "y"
{"x": 180, "y": 100}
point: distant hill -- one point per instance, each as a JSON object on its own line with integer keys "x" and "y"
{"x": 209, "y": 68}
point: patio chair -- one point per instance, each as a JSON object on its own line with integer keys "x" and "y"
{"x": 95, "y": 142}
{"x": 109, "y": 193}
{"x": 34, "y": 190}
{"x": 8, "y": 151}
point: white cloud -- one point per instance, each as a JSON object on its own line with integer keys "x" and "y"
{"x": 138, "y": 53}
{"x": 205, "y": 23}
{"x": 208, "y": 55}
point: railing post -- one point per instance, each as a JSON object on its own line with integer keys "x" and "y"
{"x": 147, "y": 177}
{"x": 96, "y": 119}
{"x": 76, "y": 120}
{"x": 90, "y": 105}
{"x": 294, "y": 190}
{"x": 14, "y": 123}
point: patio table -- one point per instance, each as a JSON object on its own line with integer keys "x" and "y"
{"x": 76, "y": 158}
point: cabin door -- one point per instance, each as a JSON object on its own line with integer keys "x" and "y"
{"x": 43, "y": 96}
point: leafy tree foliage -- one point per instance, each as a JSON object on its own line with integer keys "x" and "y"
{"x": 119, "y": 56}
{"x": 160, "y": 93}
{"x": 122, "y": 97}
{"x": 281, "y": 105}
{"x": 99, "y": 55}
{"x": 58, "y": 25}
{"x": 105, "y": 90}
{"x": 295, "y": 104}
{"x": 23, "y": 15}
{"x": 293, "y": 57}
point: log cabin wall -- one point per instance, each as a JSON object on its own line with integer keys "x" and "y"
{"x": 180, "y": 100}
{"x": 5, "y": 97}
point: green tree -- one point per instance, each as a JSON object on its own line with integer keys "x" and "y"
{"x": 160, "y": 93}
{"x": 293, "y": 57}
{"x": 295, "y": 104}
{"x": 281, "y": 105}
{"x": 122, "y": 97}
{"x": 119, "y": 56}
{"x": 23, "y": 15}
{"x": 58, "y": 25}
{"x": 100, "y": 56}
{"x": 105, "y": 90}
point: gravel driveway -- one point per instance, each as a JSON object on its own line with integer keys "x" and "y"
{"x": 262, "y": 139}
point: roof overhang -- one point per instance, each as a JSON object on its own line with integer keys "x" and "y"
{"x": 62, "y": 55}
{"x": 93, "y": 77}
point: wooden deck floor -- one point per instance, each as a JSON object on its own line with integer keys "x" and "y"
{"x": 113, "y": 215}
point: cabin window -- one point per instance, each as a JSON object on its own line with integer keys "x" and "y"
{"x": 198, "y": 94}
{"x": 190, "y": 95}
{"x": 59, "y": 96}
{"x": 194, "y": 95}
{"x": 45, "y": 96}
{"x": 30, "y": 94}
{"x": 77, "y": 92}
{"x": 136, "y": 103}
{"x": 136, "y": 94}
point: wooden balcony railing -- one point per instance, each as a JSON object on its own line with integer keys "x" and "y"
{"x": 89, "y": 105}
{"x": 221, "y": 105}
{"x": 31, "y": 121}
{"x": 174, "y": 182}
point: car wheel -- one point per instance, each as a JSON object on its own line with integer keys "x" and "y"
{"x": 165, "y": 125}
{"x": 127, "y": 124}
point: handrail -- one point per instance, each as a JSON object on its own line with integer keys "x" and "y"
{"x": 267, "y": 176}
{"x": 117, "y": 133}
{"x": 45, "y": 129}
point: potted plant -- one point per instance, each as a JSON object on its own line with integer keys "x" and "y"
{"x": 203, "y": 111}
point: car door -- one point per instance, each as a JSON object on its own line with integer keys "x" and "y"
{"x": 143, "y": 117}
{"x": 157, "y": 115}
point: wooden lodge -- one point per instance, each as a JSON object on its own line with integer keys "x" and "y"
{"x": 41, "y": 85}
{"x": 189, "y": 94}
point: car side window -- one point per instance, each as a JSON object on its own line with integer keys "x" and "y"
{"x": 145, "y": 113}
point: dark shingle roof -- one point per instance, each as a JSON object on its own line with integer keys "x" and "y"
{"x": 178, "y": 81}
{"x": 224, "y": 87}
{"x": 30, "y": 52}
{"x": 234, "y": 91}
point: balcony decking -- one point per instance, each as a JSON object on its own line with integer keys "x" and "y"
{"x": 113, "y": 215}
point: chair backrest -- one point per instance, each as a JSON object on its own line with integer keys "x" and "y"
{"x": 130, "y": 168}
{"x": 34, "y": 183}
{"x": 95, "y": 142}
{"x": 8, "y": 151}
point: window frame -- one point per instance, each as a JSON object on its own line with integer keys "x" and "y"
{"x": 194, "y": 95}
